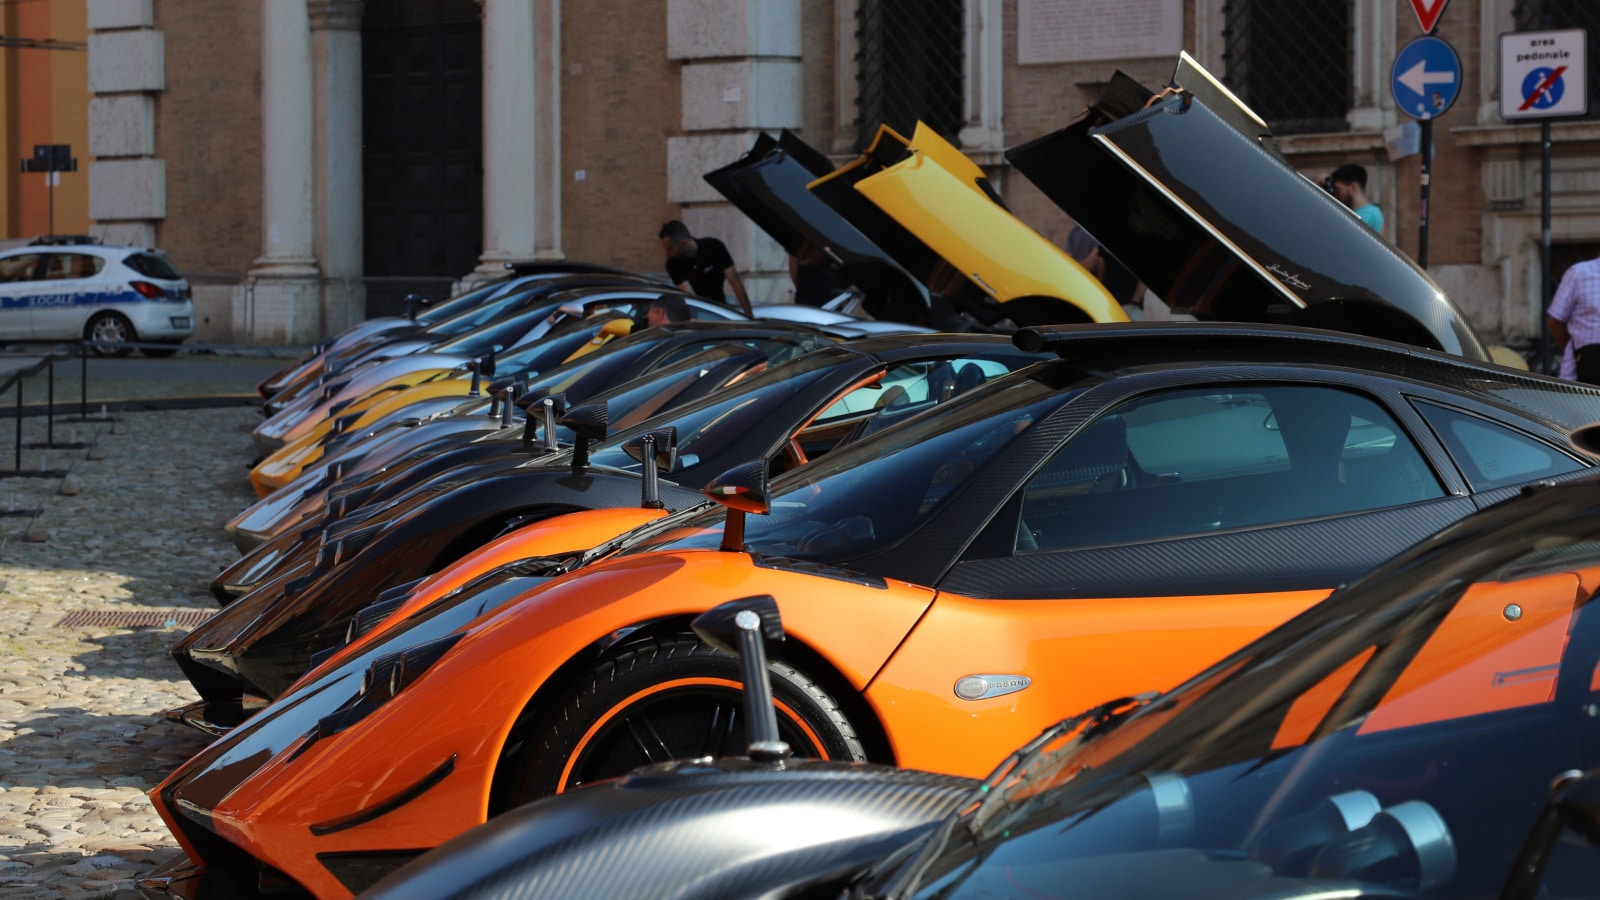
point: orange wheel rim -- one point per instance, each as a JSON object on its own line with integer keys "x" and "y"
{"x": 786, "y": 714}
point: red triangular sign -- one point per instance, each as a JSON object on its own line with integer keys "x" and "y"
{"x": 1428, "y": 13}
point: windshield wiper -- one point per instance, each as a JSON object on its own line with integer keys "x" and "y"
{"x": 1093, "y": 722}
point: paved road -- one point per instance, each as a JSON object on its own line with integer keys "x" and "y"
{"x": 226, "y": 373}
{"x": 137, "y": 530}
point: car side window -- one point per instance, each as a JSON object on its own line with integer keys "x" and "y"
{"x": 62, "y": 266}
{"x": 1196, "y": 461}
{"x": 20, "y": 267}
{"x": 1492, "y": 455}
{"x": 911, "y": 387}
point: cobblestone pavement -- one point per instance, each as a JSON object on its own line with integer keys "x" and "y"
{"x": 134, "y": 525}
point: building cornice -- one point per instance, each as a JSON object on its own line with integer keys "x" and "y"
{"x": 1526, "y": 134}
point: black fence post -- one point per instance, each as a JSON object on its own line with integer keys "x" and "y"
{"x": 18, "y": 464}
{"x": 83, "y": 381}
{"x": 50, "y": 401}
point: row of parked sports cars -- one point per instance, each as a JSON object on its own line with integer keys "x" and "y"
{"x": 518, "y": 546}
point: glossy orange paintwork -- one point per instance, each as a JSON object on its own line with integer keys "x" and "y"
{"x": 1078, "y": 653}
{"x": 475, "y": 693}
{"x": 1452, "y": 676}
{"x": 556, "y": 536}
{"x": 904, "y": 655}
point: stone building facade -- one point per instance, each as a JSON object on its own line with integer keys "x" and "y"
{"x": 306, "y": 157}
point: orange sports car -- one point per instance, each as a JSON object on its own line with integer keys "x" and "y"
{"x": 1091, "y": 527}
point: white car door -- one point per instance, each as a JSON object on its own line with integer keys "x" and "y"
{"x": 69, "y": 290}
{"x": 19, "y": 282}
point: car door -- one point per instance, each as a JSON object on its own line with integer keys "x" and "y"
{"x": 70, "y": 289}
{"x": 1171, "y": 529}
{"x": 19, "y": 282}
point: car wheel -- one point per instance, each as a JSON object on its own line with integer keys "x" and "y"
{"x": 106, "y": 330}
{"x": 665, "y": 700}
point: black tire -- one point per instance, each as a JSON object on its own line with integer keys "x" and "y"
{"x": 684, "y": 717}
{"x": 111, "y": 328}
{"x": 159, "y": 352}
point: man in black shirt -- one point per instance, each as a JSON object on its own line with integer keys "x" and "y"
{"x": 700, "y": 265}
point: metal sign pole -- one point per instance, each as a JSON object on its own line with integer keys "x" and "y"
{"x": 1427, "y": 175}
{"x": 1546, "y": 292}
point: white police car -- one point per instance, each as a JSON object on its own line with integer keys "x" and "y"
{"x": 71, "y": 288}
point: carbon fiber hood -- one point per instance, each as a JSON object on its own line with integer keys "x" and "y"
{"x": 729, "y": 828}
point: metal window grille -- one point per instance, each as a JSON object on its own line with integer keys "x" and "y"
{"x": 1290, "y": 60}
{"x": 1549, "y": 15}
{"x": 909, "y": 67}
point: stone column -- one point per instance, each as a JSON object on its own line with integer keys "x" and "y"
{"x": 741, "y": 75}
{"x": 336, "y": 143}
{"x": 283, "y": 294}
{"x": 127, "y": 72}
{"x": 521, "y": 133}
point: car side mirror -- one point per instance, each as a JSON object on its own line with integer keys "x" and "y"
{"x": 543, "y": 409}
{"x": 657, "y": 451}
{"x": 744, "y": 628}
{"x": 415, "y": 302}
{"x": 742, "y": 489}
{"x": 589, "y": 424}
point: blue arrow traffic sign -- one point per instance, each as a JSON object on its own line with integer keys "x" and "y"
{"x": 1426, "y": 78}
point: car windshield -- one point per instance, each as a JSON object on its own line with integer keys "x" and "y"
{"x": 1397, "y": 740}
{"x": 876, "y": 491}
{"x": 707, "y": 427}
{"x": 483, "y": 314}
{"x": 460, "y": 303}
{"x": 642, "y": 398}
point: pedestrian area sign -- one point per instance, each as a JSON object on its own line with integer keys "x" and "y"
{"x": 1544, "y": 74}
{"x": 1426, "y": 78}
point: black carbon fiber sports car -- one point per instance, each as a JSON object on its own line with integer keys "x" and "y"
{"x": 264, "y": 640}
{"x": 1427, "y": 731}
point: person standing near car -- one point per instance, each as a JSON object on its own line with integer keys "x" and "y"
{"x": 1349, "y": 184}
{"x": 1574, "y": 322}
{"x": 701, "y": 265}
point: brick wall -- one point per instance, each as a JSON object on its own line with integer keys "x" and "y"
{"x": 208, "y": 131}
{"x": 619, "y": 104}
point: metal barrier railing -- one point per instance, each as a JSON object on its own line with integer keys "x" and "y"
{"x": 17, "y": 381}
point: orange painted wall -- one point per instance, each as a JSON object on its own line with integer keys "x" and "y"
{"x": 44, "y": 99}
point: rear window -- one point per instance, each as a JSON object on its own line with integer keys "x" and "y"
{"x": 152, "y": 265}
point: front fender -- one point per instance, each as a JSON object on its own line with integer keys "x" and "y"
{"x": 553, "y": 537}
{"x": 456, "y": 718}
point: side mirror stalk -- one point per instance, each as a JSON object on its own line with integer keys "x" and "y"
{"x": 588, "y": 423}
{"x": 510, "y": 395}
{"x": 743, "y": 628}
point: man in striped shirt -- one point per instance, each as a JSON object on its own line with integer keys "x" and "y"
{"x": 1575, "y": 322}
